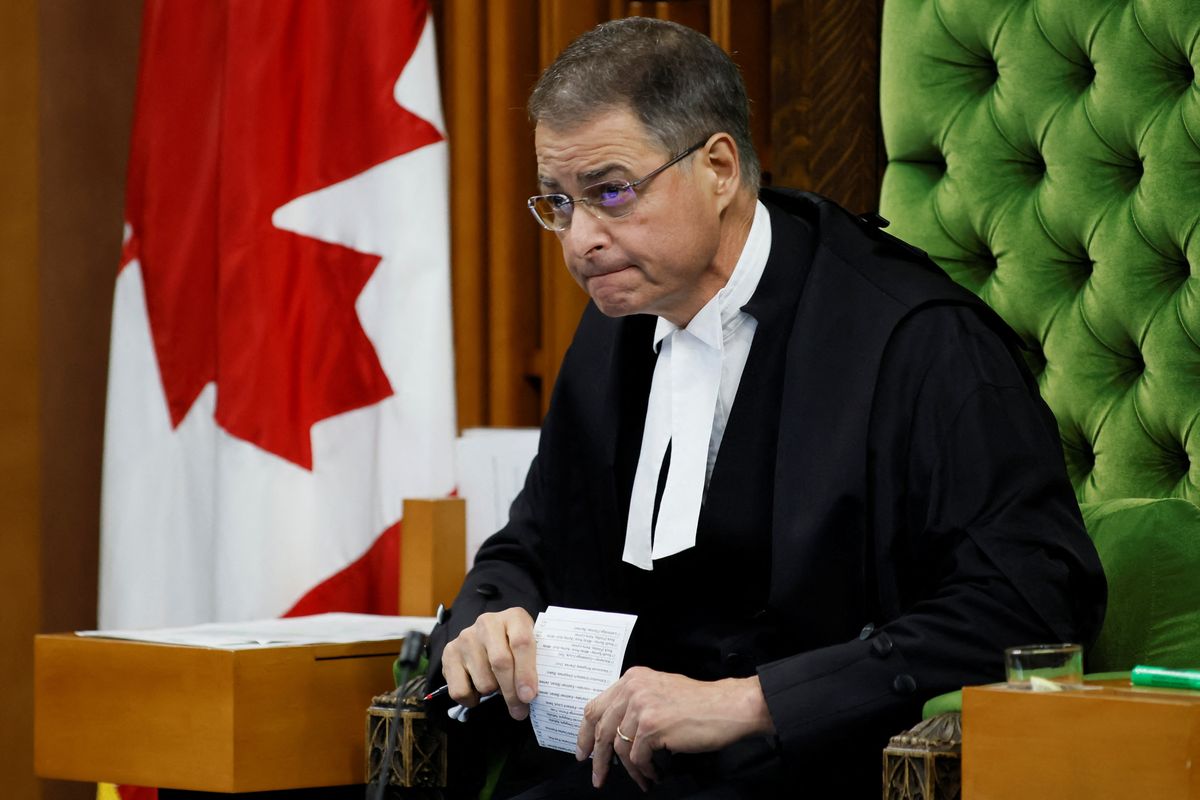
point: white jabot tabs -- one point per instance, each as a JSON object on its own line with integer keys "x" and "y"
{"x": 695, "y": 381}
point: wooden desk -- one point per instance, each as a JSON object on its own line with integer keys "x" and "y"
{"x": 1111, "y": 741}
{"x": 202, "y": 719}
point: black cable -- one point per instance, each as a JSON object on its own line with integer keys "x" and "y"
{"x": 410, "y": 657}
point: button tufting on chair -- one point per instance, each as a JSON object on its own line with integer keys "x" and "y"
{"x": 1037, "y": 166}
{"x": 1184, "y": 469}
{"x": 1088, "y": 70}
{"x": 992, "y": 69}
{"x": 1071, "y": 132}
{"x": 1134, "y": 171}
{"x": 1186, "y": 72}
{"x": 1137, "y": 367}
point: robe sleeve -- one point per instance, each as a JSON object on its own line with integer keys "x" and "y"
{"x": 978, "y": 541}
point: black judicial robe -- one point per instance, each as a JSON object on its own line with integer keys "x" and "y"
{"x": 921, "y": 519}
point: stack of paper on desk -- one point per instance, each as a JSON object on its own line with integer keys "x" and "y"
{"x": 315, "y": 629}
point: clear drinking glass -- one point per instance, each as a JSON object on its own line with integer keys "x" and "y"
{"x": 1044, "y": 667}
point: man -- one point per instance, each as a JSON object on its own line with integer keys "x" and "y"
{"x": 814, "y": 467}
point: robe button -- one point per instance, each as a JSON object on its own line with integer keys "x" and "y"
{"x": 882, "y": 645}
{"x": 866, "y": 632}
{"x": 488, "y": 590}
{"x": 904, "y": 684}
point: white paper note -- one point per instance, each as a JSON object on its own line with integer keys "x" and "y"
{"x": 579, "y": 655}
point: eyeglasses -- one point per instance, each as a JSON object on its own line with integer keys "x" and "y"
{"x": 606, "y": 200}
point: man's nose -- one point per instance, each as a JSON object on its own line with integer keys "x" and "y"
{"x": 586, "y": 234}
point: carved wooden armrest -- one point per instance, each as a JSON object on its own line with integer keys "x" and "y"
{"x": 420, "y": 758}
{"x": 925, "y": 762}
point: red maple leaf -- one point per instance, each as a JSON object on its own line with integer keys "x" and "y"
{"x": 242, "y": 106}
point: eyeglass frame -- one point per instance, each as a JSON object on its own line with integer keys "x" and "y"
{"x": 625, "y": 186}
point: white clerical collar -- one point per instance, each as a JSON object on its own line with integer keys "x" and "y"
{"x": 682, "y": 406}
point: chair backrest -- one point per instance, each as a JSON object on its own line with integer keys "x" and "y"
{"x": 1047, "y": 154}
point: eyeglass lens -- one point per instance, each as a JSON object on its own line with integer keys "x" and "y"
{"x": 611, "y": 199}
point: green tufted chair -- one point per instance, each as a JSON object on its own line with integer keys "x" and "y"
{"x": 1046, "y": 153}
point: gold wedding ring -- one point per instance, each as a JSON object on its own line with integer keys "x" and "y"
{"x": 624, "y": 738}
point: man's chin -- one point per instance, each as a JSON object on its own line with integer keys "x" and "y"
{"x": 616, "y": 304}
{"x": 615, "y": 309}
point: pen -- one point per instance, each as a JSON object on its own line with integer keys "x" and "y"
{"x": 443, "y": 690}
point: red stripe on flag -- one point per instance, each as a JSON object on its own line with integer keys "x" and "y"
{"x": 371, "y": 585}
{"x": 137, "y": 793}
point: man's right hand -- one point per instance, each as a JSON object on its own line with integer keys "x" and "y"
{"x": 497, "y": 652}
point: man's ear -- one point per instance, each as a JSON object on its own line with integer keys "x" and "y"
{"x": 721, "y": 159}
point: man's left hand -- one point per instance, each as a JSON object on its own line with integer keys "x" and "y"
{"x": 647, "y": 710}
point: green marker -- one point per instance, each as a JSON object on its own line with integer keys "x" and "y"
{"x": 1168, "y": 678}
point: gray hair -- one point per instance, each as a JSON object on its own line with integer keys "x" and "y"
{"x": 677, "y": 81}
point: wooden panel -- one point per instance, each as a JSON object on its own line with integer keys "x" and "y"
{"x": 464, "y": 85}
{"x": 87, "y": 74}
{"x": 1109, "y": 743}
{"x": 745, "y": 33}
{"x": 561, "y": 21}
{"x": 825, "y": 98}
{"x": 513, "y": 293}
{"x": 19, "y": 457}
{"x": 693, "y": 13}
{"x": 207, "y": 720}
{"x": 433, "y": 554}
{"x": 563, "y": 300}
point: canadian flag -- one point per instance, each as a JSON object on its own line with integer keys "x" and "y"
{"x": 281, "y": 370}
